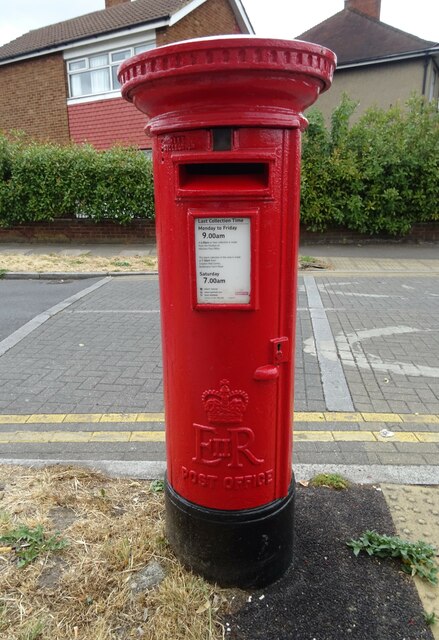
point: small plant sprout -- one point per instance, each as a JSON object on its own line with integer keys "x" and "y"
{"x": 28, "y": 543}
{"x": 330, "y": 480}
{"x": 121, "y": 263}
{"x": 430, "y": 618}
{"x": 309, "y": 262}
{"x": 417, "y": 557}
{"x": 306, "y": 259}
{"x": 157, "y": 486}
{"x": 33, "y": 631}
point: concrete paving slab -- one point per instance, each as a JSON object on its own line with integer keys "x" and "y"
{"x": 415, "y": 512}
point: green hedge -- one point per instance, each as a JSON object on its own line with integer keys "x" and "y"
{"x": 380, "y": 175}
{"x": 43, "y": 181}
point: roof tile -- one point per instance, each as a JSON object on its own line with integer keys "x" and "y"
{"x": 115, "y": 18}
{"x": 355, "y": 37}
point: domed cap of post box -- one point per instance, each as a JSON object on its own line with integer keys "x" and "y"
{"x": 227, "y": 81}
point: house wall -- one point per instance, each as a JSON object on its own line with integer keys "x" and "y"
{"x": 33, "y": 95}
{"x": 214, "y": 17}
{"x": 382, "y": 85}
{"x": 103, "y": 123}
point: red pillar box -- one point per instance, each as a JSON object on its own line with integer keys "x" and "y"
{"x": 226, "y": 122}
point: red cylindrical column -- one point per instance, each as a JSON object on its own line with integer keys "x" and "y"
{"x": 226, "y": 119}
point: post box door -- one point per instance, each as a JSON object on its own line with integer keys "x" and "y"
{"x": 229, "y": 361}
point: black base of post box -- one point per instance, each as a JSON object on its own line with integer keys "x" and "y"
{"x": 250, "y": 548}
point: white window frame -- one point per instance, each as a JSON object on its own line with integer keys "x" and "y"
{"x": 83, "y": 54}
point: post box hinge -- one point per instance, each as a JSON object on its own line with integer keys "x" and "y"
{"x": 281, "y": 350}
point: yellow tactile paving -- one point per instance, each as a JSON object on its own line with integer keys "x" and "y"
{"x": 415, "y": 512}
{"x": 299, "y": 416}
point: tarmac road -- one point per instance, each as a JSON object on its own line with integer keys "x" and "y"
{"x": 22, "y": 300}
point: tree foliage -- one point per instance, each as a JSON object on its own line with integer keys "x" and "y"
{"x": 379, "y": 175}
{"x": 39, "y": 182}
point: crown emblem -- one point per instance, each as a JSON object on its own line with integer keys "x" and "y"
{"x": 224, "y": 406}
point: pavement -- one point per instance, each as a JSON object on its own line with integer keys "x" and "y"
{"x": 82, "y": 379}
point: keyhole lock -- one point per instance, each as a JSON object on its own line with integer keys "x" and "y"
{"x": 280, "y": 350}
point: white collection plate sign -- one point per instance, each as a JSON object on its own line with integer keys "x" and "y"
{"x": 222, "y": 253}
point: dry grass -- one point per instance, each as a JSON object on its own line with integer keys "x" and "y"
{"x": 309, "y": 262}
{"x": 83, "y": 263}
{"x": 113, "y": 528}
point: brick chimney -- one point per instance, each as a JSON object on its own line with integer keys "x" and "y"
{"x": 113, "y": 3}
{"x": 371, "y": 8}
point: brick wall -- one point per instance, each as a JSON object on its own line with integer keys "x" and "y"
{"x": 82, "y": 231}
{"x": 86, "y": 231}
{"x": 105, "y": 122}
{"x": 212, "y": 18}
{"x": 33, "y": 96}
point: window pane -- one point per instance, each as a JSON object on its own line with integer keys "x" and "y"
{"x": 142, "y": 47}
{"x": 120, "y": 55}
{"x": 80, "y": 84}
{"x": 77, "y": 64}
{"x": 100, "y": 81}
{"x": 116, "y": 83}
{"x": 98, "y": 61}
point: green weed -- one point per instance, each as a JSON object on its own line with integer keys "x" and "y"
{"x": 121, "y": 263}
{"x": 28, "y": 543}
{"x": 430, "y": 618}
{"x": 157, "y": 486}
{"x": 417, "y": 557}
{"x": 331, "y": 480}
{"x": 33, "y": 631}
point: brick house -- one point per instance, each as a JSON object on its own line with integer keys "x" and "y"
{"x": 377, "y": 64}
{"x": 59, "y": 82}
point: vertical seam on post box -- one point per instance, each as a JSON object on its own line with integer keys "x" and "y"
{"x": 282, "y": 310}
{"x": 335, "y": 387}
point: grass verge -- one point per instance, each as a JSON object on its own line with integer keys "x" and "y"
{"x": 70, "y": 264}
{"x": 87, "y": 590}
